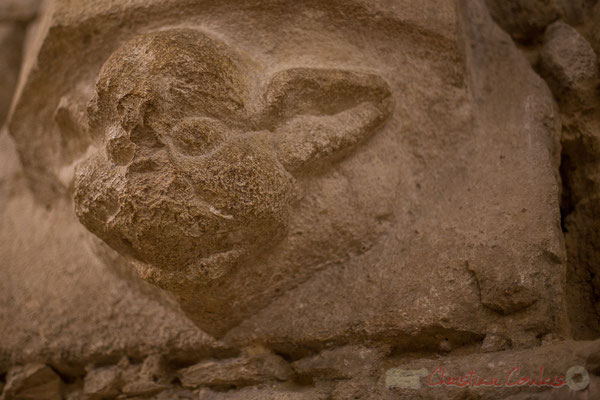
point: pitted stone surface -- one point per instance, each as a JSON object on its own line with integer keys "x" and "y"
{"x": 279, "y": 199}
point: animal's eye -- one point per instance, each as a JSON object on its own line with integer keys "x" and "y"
{"x": 196, "y": 136}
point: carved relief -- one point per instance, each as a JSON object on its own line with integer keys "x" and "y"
{"x": 331, "y": 193}
{"x": 197, "y": 164}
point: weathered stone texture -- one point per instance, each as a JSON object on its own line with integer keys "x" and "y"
{"x": 273, "y": 199}
{"x": 32, "y": 382}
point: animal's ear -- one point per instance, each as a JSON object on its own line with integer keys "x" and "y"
{"x": 319, "y": 115}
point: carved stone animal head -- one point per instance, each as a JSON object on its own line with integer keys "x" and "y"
{"x": 197, "y": 158}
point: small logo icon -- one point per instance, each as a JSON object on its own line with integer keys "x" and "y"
{"x": 577, "y": 378}
{"x": 404, "y": 378}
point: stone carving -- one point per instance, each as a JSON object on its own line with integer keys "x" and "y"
{"x": 195, "y": 167}
{"x": 338, "y": 197}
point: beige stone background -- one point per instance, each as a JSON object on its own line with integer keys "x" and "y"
{"x": 464, "y": 233}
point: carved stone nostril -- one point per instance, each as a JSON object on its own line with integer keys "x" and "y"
{"x": 195, "y": 136}
{"x": 119, "y": 148}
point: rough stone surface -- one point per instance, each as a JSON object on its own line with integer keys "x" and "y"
{"x": 338, "y": 363}
{"x": 524, "y": 18}
{"x": 236, "y": 372}
{"x": 32, "y": 382}
{"x": 273, "y": 199}
{"x": 258, "y": 226}
{"x": 267, "y": 394}
{"x": 143, "y": 388}
{"x": 102, "y": 382}
{"x": 575, "y": 84}
{"x": 567, "y": 60}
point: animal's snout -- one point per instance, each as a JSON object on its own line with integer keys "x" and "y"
{"x": 119, "y": 148}
{"x": 197, "y": 136}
